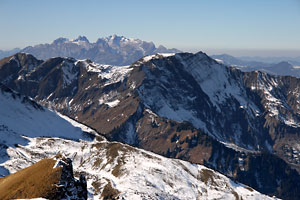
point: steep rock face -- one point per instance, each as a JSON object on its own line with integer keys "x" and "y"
{"x": 185, "y": 106}
{"x": 113, "y": 50}
{"x": 68, "y": 186}
{"x": 48, "y": 178}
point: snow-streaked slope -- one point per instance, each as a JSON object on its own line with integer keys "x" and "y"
{"x": 134, "y": 173}
{"x": 23, "y": 117}
{"x": 195, "y": 88}
{"x": 31, "y": 133}
{"x": 226, "y": 103}
{"x": 216, "y": 81}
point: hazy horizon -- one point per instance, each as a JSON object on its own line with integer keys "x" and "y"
{"x": 239, "y": 28}
{"x": 233, "y": 52}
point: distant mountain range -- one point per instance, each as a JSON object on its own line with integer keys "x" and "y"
{"x": 185, "y": 106}
{"x": 8, "y": 52}
{"x": 113, "y": 50}
{"x": 257, "y": 59}
{"x": 282, "y": 68}
{"x": 292, "y": 60}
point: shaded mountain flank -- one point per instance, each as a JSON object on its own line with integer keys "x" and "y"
{"x": 188, "y": 106}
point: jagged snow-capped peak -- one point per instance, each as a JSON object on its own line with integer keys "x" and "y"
{"x": 115, "y": 40}
{"x": 81, "y": 39}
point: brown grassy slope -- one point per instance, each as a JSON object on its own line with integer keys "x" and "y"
{"x": 173, "y": 139}
{"x": 5, "y": 60}
{"x": 35, "y": 181}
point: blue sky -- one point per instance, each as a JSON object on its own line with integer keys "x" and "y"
{"x": 239, "y": 27}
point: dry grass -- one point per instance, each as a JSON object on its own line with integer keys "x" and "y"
{"x": 109, "y": 192}
{"x": 5, "y": 60}
{"x": 236, "y": 196}
{"x": 249, "y": 188}
{"x": 113, "y": 153}
{"x": 97, "y": 185}
{"x": 208, "y": 176}
{"x": 35, "y": 181}
{"x": 117, "y": 169}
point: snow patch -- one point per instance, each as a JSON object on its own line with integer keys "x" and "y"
{"x": 113, "y": 103}
{"x": 69, "y": 73}
{"x": 147, "y": 58}
{"x": 219, "y": 61}
{"x": 112, "y": 74}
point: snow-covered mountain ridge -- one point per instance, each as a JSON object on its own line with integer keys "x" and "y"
{"x": 183, "y": 106}
{"x": 112, "y": 169}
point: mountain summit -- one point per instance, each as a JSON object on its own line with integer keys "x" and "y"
{"x": 82, "y": 39}
{"x": 113, "y": 50}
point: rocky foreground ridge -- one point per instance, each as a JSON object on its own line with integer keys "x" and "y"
{"x": 50, "y": 178}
